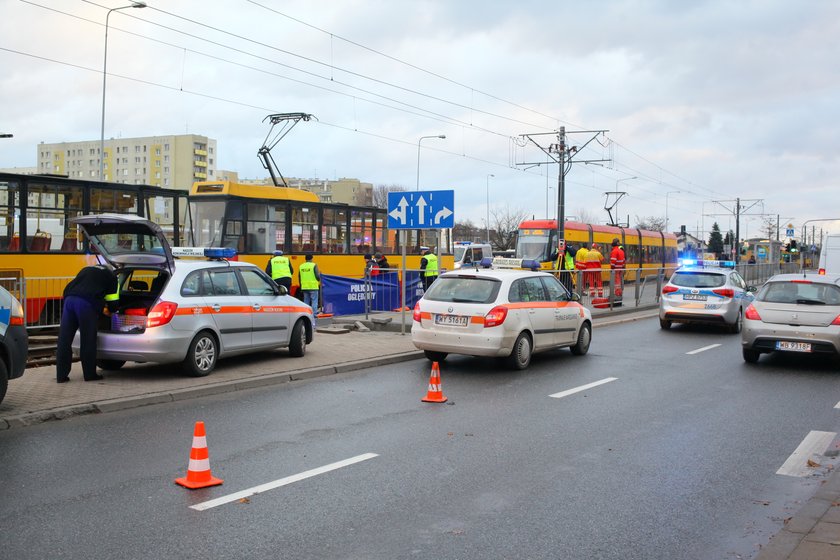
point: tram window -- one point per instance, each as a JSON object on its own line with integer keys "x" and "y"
{"x": 334, "y": 231}
{"x": 305, "y": 229}
{"x": 632, "y": 253}
{"x": 386, "y": 239}
{"x": 111, "y": 200}
{"x": 9, "y": 206}
{"x": 48, "y": 208}
{"x": 361, "y": 231}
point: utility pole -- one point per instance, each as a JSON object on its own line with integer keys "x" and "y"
{"x": 736, "y": 211}
{"x": 563, "y": 155}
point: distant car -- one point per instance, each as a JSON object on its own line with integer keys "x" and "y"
{"x": 187, "y": 310}
{"x": 503, "y": 313}
{"x": 466, "y": 253}
{"x": 797, "y": 313}
{"x": 705, "y": 292}
{"x": 14, "y": 341}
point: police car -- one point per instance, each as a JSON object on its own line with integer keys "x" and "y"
{"x": 705, "y": 292}
{"x": 176, "y": 309}
{"x": 503, "y": 312}
{"x": 14, "y": 341}
{"x": 467, "y": 253}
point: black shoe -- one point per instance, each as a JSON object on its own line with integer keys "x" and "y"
{"x": 96, "y": 377}
{"x": 62, "y": 380}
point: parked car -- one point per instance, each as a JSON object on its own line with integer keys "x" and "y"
{"x": 830, "y": 254}
{"x": 14, "y": 341}
{"x": 797, "y": 313}
{"x": 504, "y": 313}
{"x": 705, "y": 292}
{"x": 187, "y": 310}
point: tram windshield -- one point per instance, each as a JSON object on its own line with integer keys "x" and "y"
{"x": 533, "y": 244}
{"x": 206, "y": 224}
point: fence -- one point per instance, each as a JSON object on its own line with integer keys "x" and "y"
{"x": 41, "y": 297}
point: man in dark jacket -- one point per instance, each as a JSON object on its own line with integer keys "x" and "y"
{"x": 84, "y": 298}
{"x": 381, "y": 261}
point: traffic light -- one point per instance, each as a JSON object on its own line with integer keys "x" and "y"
{"x": 792, "y": 245}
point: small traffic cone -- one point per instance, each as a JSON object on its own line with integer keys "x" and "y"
{"x": 198, "y": 471}
{"x": 435, "y": 393}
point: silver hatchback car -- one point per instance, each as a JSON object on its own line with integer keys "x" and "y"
{"x": 797, "y": 313}
{"x": 187, "y": 310}
{"x": 705, "y": 292}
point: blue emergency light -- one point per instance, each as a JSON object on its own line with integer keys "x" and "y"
{"x": 702, "y": 263}
{"x": 219, "y": 252}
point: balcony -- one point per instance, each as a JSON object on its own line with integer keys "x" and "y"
{"x": 200, "y": 163}
{"x": 201, "y": 176}
{"x": 200, "y": 152}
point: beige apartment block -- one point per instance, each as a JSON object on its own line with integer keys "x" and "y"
{"x": 164, "y": 161}
{"x": 342, "y": 191}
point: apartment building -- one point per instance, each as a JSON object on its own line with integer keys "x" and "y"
{"x": 341, "y": 191}
{"x": 165, "y": 161}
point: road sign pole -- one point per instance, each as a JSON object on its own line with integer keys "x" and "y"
{"x": 404, "y": 235}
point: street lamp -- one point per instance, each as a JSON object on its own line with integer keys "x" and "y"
{"x": 617, "y": 218}
{"x": 104, "y": 76}
{"x": 666, "y": 209}
{"x": 488, "y": 208}
{"x": 418, "y": 155}
{"x": 6, "y": 135}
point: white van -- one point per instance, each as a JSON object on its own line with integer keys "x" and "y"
{"x": 467, "y": 253}
{"x": 830, "y": 254}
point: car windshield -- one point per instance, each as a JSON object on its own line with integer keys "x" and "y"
{"x": 120, "y": 242}
{"x": 800, "y": 293}
{"x": 696, "y": 279}
{"x": 459, "y": 253}
{"x": 464, "y": 289}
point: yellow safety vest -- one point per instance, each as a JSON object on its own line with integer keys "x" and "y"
{"x": 308, "y": 281}
{"x": 431, "y": 265}
{"x": 280, "y": 268}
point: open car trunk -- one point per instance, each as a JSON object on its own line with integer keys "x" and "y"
{"x": 139, "y": 291}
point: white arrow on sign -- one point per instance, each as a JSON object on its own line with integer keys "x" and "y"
{"x": 442, "y": 214}
{"x": 421, "y": 210}
{"x": 399, "y": 213}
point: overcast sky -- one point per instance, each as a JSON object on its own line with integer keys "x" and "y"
{"x": 706, "y": 100}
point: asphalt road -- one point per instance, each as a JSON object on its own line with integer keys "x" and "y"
{"x": 674, "y": 458}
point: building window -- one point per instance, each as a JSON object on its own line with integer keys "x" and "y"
{"x": 166, "y": 147}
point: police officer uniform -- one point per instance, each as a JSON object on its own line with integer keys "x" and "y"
{"x": 280, "y": 269}
{"x": 429, "y": 265}
{"x": 310, "y": 283}
{"x": 84, "y": 298}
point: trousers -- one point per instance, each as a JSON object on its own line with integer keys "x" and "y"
{"x": 78, "y": 314}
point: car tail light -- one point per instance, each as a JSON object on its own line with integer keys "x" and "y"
{"x": 822, "y": 271}
{"x": 669, "y": 289}
{"x": 16, "y": 317}
{"x": 800, "y": 282}
{"x": 752, "y": 314}
{"x": 836, "y": 320}
{"x": 161, "y": 314}
{"x": 417, "y": 311}
{"x": 495, "y": 317}
{"x": 725, "y": 292}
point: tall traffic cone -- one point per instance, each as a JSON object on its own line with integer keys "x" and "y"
{"x": 198, "y": 471}
{"x": 435, "y": 393}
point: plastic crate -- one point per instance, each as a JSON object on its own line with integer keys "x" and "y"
{"x": 129, "y": 320}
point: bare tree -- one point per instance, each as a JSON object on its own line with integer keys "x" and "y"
{"x": 652, "y": 223}
{"x": 467, "y": 231}
{"x": 380, "y": 194}
{"x": 768, "y": 227}
{"x": 586, "y": 216}
{"x": 504, "y": 225}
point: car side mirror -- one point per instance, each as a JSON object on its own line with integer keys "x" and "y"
{"x": 281, "y": 291}
{"x": 752, "y": 289}
{"x": 575, "y": 296}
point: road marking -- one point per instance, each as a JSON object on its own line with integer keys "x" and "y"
{"x": 837, "y": 405}
{"x": 709, "y": 347}
{"x": 562, "y": 394}
{"x": 814, "y": 443}
{"x": 281, "y": 482}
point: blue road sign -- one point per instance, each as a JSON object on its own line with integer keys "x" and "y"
{"x": 421, "y": 210}
{"x": 790, "y": 232}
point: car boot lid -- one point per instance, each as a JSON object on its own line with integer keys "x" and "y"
{"x": 126, "y": 240}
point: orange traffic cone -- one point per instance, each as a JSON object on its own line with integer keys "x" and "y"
{"x": 198, "y": 471}
{"x": 435, "y": 393}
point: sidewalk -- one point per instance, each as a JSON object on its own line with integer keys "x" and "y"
{"x": 812, "y": 534}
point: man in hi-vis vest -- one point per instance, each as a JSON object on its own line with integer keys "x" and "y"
{"x": 310, "y": 283}
{"x": 429, "y": 265}
{"x": 280, "y": 269}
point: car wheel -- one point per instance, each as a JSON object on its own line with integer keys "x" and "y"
{"x": 202, "y": 355}
{"x": 583, "y": 340}
{"x": 735, "y": 327}
{"x": 520, "y": 357}
{"x": 435, "y": 356}
{"x": 110, "y": 365}
{"x": 4, "y": 380}
{"x": 297, "y": 345}
{"x": 750, "y": 355}
{"x": 664, "y": 324}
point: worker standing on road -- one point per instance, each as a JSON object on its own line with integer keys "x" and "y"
{"x": 429, "y": 266}
{"x": 84, "y": 299}
{"x": 594, "y": 260}
{"x": 281, "y": 270}
{"x": 570, "y": 266}
{"x": 580, "y": 257}
{"x": 310, "y": 283}
{"x": 617, "y": 263}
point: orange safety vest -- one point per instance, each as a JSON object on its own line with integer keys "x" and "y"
{"x": 617, "y": 257}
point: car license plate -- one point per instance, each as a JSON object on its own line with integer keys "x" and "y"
{"x": 793, "y": 346}
{"x": 695, "y": 297}
{"x": 451, "y": 320}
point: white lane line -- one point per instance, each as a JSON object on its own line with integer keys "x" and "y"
{"x": 814, "y": 443}
{"x": 709, "y": 347}
{"x": 837, "y": 405}
{"x": 281, "y": 482}
{"x": 562, "y": 394}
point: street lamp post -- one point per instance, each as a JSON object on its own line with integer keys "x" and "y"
{"x": 418, "y": 155}
{"x": 104, "y": 77}
{"x": 488, "y": 209}
{"x": 666, "y": 209}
